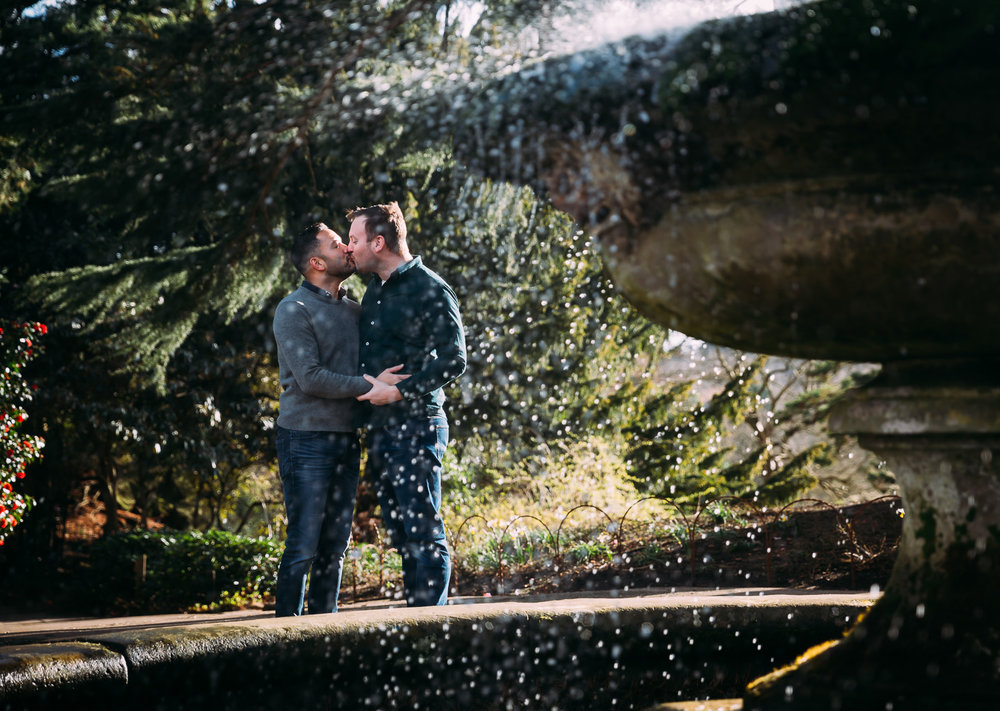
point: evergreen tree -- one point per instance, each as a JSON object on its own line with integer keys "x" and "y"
{"x": 182, "y": 141}
{"x": 154, "y": 159}
{"x": 553, "y": 349}
{"x": 176, "y": 146}
{"x": 759, "y": 434}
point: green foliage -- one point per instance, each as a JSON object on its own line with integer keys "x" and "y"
{"x": 178, "y": 136}
{"x": 183, "y": 570}
{"x": 18, "y": 345}
{"x": 178, "y": 139}
{"x": 554, "y": 351}
{"x": 155, "y": 158}
{"x": 194, "y": 455}
{"x": 760, "y": 435}
{"x": 520, "y": 545}
{"x": 136, "y": 314}
{"x": 372, "y": 561}
{"x": 682, "y": 455}
{"x": 590, "y": 551}
{"x": 796, "y": 476}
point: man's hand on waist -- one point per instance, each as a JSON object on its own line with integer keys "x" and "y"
{"x": 381, "y": 393}
{"x": 391, "y": 376}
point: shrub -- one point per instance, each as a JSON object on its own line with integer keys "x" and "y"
{"x": 575, "y": 487}
{"x": 184, "y": 570}
{"x": 18, "y": 345}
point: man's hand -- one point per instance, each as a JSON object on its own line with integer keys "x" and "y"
{"x": 391, "y": 376}
{"x": 381, "y": 393}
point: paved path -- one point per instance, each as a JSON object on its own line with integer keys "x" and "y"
{"x": 23, "y": 629}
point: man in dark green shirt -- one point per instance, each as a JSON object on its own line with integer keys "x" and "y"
{"x": 409, "y": 315}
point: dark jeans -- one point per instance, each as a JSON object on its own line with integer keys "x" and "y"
{"x": 319, "y": 476}
{"x": 404, "y": 462}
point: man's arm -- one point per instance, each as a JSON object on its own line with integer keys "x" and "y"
{"x": 446, "y": 338}
{"x": 297, "y": 345}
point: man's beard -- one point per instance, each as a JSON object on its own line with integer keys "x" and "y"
{"x": 346, "y": 270}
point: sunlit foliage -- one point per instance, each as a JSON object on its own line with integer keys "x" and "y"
{"x": 750, "y": 427}
{"x": 155, "y": 158}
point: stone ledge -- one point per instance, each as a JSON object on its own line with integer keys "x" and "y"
{"x": 584, "y": 652}
{"x": 43, "y": 671}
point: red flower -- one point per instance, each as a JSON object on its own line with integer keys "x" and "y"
{"x": 41, "y": 328}
{"x": 20, "y": 475}
{"x": 27, "y": 342}
{"x": 7, "y": 486}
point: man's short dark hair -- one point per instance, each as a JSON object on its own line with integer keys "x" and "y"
{"x": 386, "y": 220}
{"x": 305, "y": 246}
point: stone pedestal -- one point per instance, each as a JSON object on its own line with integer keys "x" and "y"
{"x": 933, "y": 640}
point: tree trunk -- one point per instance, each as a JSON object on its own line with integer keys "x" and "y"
{"x": 107, "y": 482}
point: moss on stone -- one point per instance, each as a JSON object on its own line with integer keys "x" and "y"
{"x": 927, "y": 531}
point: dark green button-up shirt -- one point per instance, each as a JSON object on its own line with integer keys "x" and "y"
{"x": 413, "y": 319}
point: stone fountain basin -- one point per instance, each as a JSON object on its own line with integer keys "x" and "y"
{"x": 815, "y": 183}
{"x": 821, "y": 269}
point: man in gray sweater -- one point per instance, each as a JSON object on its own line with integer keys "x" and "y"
{"x": 316, "y": 331}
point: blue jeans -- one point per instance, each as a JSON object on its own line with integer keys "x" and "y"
{"x": 404, "y": 462}
{"x": 319, "y": 476}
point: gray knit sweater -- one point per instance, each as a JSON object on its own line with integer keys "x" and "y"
{"x": 317, "y": 337}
